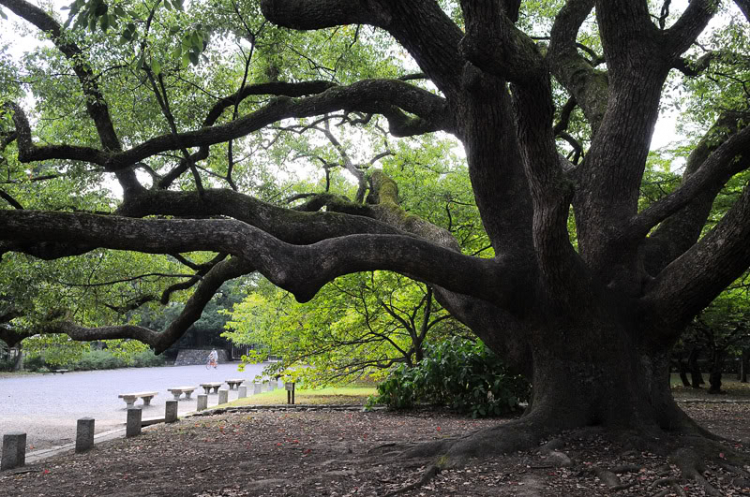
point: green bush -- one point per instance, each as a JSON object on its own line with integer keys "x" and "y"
{"x": 34, "y": 363}
{"x": 98, "y": 359}
{"x": 104, "y": 359}
{"x": 6, "y": 364}
{"x": 460, "y": 374}
{"x": 147, "y": 359}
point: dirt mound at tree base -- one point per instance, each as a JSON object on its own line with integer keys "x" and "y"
{"x": 331, "y": 453}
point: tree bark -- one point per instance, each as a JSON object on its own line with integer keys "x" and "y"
{"x": 618, "y": 382}
{"x": 696, "y": 377}
{"x": 717, "y": 368}
{"x": 682, "y": 367}
{"x": 18, "y": 362}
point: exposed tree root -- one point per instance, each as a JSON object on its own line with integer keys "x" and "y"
{"x": 688, "y": 448}
{"x": 428, "y": 475}
{"x": 517, "y": 435}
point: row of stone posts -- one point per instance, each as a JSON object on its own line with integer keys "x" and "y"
{"x": 241, "y": 394}
{"x": 14, "y": 444}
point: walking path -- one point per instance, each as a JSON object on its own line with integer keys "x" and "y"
{"x": 46, "y": 407}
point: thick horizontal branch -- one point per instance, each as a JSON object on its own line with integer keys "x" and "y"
{"x": 680, "y": 231}
{"x": 279, "y": 88}
{"x": 160, "y": 341}
{"x": 729, "y": 159}
{"x": 421, "y": 27}
{"x": 28, "y": 152}
{"x": 301, "y": 270}
{"x": 384, "y": 97}
{"x": 125, "y": 280}
{"x": 317, "y": 14}
{"x": 694, "y": 279}
{"x": 13, "y": 337}
{"x": 694, "y": 68}
{"x": 288, "y": 225}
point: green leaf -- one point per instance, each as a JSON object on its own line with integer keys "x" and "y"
{"x": 104, "y": 23}
{"x": 101, "y": 9}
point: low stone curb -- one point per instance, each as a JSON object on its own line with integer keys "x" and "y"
{"x": 284, "y": 407}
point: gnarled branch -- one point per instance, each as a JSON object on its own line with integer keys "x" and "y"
{"x": 301, "y": 270}
{"x": 588, "y": 86}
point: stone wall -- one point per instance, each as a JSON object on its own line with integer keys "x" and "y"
{"x": 192, "y": 357}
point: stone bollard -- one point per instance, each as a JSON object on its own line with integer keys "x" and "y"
{"x": 202, "y": 401}
{"x": 242, "y": 392}
{"x": 85, "y": 435}
{"x": 272, "y": 384}
{"x": 135, "y": 417}
{"x": 223, "y": 396}
{"x": 14, "y": 451}
{"x": 170, "y": 414}
{"x": 257, "y": 388}
{"x": 290, "y": 388}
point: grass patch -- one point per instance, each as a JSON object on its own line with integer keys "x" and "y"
{"x": 729, "y": 385}
{"x": 355, "y": 395}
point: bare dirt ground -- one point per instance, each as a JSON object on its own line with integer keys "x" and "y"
{"x": 330, "y": 453}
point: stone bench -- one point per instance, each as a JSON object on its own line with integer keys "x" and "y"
{"x": 208, "y": 386}
{"x": 177, "y": 391}
{"x": 130, "y": 398}
{"x": 234, "y": 384}
{"x": 61, "y": 371}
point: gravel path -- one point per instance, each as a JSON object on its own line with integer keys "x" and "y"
{"x": 47, "y": 406}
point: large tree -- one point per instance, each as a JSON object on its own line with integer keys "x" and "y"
{"x": 591, "y": 323}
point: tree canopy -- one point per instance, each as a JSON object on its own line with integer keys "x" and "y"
{"x": 194, "y": 109}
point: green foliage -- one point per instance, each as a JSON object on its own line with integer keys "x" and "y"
{"x": 93, "y": 359}
{"x": 35, "y": 363}
{"x": 97, "y": 359}
{"x": 461, "y": 374}
{"x": 6, "y": 364}
{"x": 105, "y": 359}
{"x": 344, "y": 333}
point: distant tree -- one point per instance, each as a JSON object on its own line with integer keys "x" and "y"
{"x": 357, "y": 326}
{"x": 721, "y": 330}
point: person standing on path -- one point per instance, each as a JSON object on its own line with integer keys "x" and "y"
{"x": 213, "y": 358}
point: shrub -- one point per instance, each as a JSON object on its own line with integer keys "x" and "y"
{"x": 34, "y": 363}
{"x": 98, "y": 359}
{"x": 6, "y": 364}
{"x": 147, "y": 359}
{"x": 461, "y": 374}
